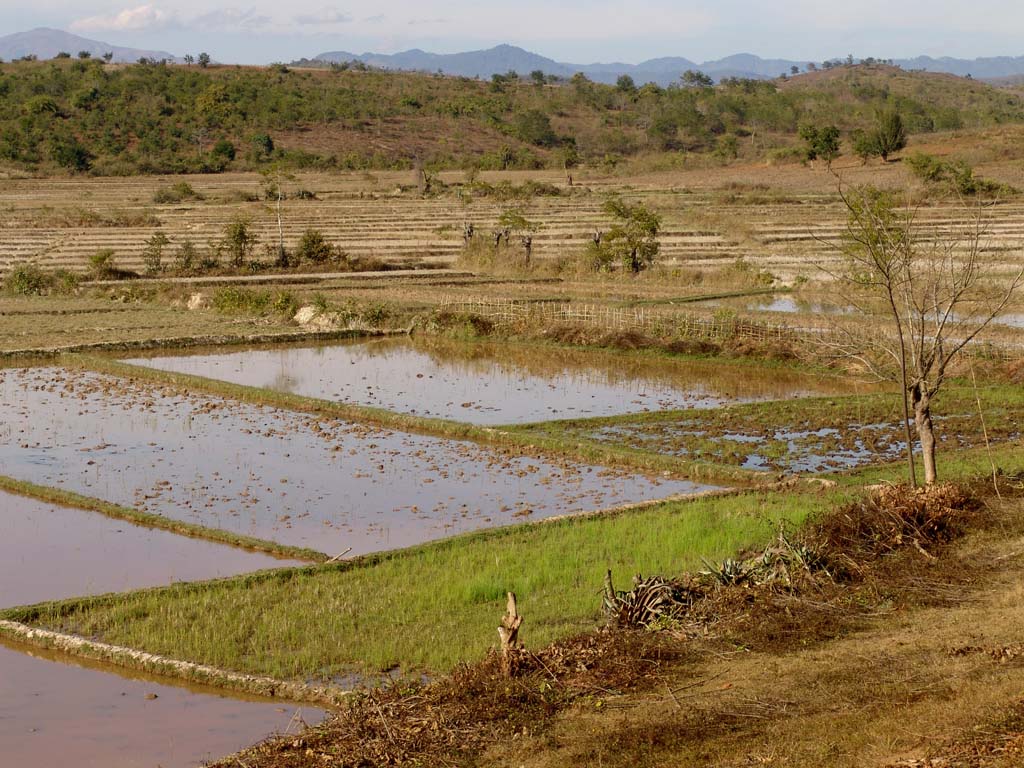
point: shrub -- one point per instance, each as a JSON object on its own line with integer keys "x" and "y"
{"x": 534, "y": 127}
{"x": 102, "y": 263}
{"x": 313, "y": 247}
{"x": 176, "y": 193}
{"x": 70, "y": 154}
{"x": 957, "y": 176}
{"x": 238, "y": 241}
{"x": 26, "y": 280}
{"x": 153, "y": 253}
{"x": 185, "y": 257}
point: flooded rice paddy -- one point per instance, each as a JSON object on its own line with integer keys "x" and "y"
{"x": 53, "y": 706}
{"x": 293, "y": 478}
{"x": 58, "y": 710}
{"x": 492, "y": 384}
{"x": 49, "y": 552}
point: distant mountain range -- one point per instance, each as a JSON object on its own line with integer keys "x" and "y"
{"x": 45, "y": 43}
{"x": 663, "y": 71}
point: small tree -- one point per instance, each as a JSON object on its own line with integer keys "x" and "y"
{"x": 890, "y": 134}
{"x": 189, "y": 59}
{"x": 693, "y": 78}
{"x": 633, "y": 239}
{"x": 625, "y": 84}
{"x": 821, "y": 143}
{"x": 865, "y": 145}
{"x": 511, "y": 223}
{"x": 238, "y": 241}
{"x": 937, "y": 297}
{"x": 186, "y": 257}
{"x": 153, "y": 253}
{"x": 203, "y": 60}
{"x": 274, "y": 179}
{"x": 314, "y": 247}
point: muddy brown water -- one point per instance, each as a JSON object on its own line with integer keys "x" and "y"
{"x": 51, "y": 552}
{"x": 58, "y": 710}
{"x": 280, "y": 475}
{"x": 486, "y": 383}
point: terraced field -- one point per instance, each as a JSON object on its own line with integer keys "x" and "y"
{"x": 61, "y": 223}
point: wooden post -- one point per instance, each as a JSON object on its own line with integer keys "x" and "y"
{"x": 508, "y": 633}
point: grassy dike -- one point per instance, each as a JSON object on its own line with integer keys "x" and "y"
{"x": 61, "y": 497}
{"x": 425, "y": 608}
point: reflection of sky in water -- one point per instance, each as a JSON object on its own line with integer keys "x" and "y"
{"x": 490, "y": 384}
{"x": 55, "y": 710}
{"x": 785, "y": 304}
{"x": 51, "y": 553}
{"x": 279, "y": 475}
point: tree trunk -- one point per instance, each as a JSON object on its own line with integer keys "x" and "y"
{"x": 925, "y": 432}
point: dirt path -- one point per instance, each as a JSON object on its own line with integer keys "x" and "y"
{"x": 892, "y": 694}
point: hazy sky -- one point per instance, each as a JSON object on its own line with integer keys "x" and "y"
{"x": 580, "y": 31}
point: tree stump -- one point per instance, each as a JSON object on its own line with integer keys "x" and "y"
{"x": 508, "y": 633}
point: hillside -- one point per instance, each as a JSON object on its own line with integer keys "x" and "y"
{"x": 155, "y": 118}
{"x": 45, "y": 43}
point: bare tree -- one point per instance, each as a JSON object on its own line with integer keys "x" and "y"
{"x": 935, "y": 289}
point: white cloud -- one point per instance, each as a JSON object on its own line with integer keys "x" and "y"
{"x": 321, "y": 17}
{"x": 140, "y": 17}
{"x": 230, "y": 20}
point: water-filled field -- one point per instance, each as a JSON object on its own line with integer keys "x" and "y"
{"x": 50, "y": 552}
{"x": 53, "y": 707}
{"x": 492, "y": 383}
{"x": 294, "y": 478}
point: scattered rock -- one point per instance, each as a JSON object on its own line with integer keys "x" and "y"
{"x": 198, "y": 301}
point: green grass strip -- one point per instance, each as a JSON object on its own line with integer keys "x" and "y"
{"x": 71, "y": 499}
{"x": 429, "y": 607}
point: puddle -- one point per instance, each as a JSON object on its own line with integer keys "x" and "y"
{"x": 826, "y": 449}
{"x": 489, "y": 384}
{"x": 51, "y": 553}
{"x": 58, "y": 710}
{"x": 783, "y": 304}
{"x": 279, "y": 475}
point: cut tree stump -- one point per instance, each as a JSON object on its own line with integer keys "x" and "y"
{"x": 508, "y": 633}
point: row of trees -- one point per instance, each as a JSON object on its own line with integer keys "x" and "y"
{"x": 159, "y": 118}
{"x": 888, "y": 136}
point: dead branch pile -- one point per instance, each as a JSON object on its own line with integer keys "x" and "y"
{"x": 445, "y": 722}
{"x": 894, "y": 517}
{"x": 838, "y": 548}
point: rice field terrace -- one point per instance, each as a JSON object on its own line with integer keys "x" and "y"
{"x": 268, "y": 487}
{"x": 709, "y": 220}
